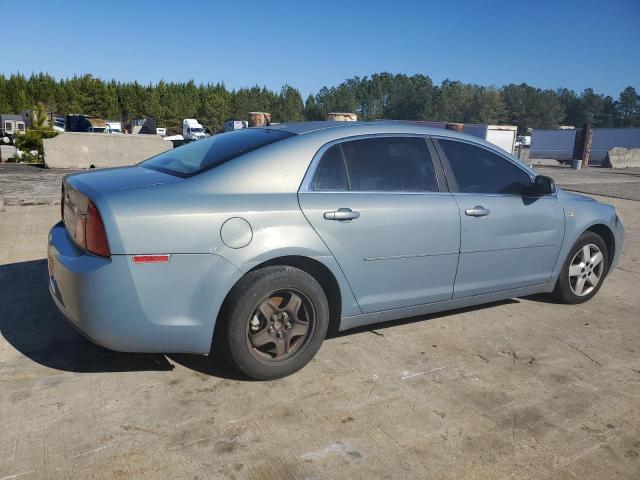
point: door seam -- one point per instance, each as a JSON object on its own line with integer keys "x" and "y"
{"x": 455, "y": 278}
{"x": 346, "y": 279}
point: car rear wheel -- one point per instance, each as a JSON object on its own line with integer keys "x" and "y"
{"x": 584, "y": 269}
{"x": 273, "y": 322}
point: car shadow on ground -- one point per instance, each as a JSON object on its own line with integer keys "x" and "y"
{"x": 544, "y": 298}
{"x": 215, "y": 365}
{"x": 376, "y": 327}
{"x": 219, "y": 367}
{"x": 31, "y": 323}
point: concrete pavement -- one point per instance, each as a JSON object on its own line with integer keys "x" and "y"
{"x": 23, "y": 184}
{"x": 519, "y": 389}
{"x": 623, "y": 183}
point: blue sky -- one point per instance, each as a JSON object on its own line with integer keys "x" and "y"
{"x": 548, "y": 44}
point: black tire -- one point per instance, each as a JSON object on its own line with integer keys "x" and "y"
{"x": 563, "y": 290}
{"x": 242, "y": 305}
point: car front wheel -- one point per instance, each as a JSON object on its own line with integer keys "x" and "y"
{"x": 274, "y": 322}
{"x": 584, "y": 269}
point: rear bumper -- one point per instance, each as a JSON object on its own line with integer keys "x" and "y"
{"x": 154, "y": 308}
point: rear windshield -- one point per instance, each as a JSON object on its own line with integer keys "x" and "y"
{"x": 201, "y": 155}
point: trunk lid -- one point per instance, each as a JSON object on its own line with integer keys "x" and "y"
{"x": 111, "y": 179}
{"x": 79, "y": 189}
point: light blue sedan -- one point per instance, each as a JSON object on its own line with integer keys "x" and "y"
{"x": 257, "y": 242}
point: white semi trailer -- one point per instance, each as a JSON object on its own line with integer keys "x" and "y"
{"x": 192, "y": 129}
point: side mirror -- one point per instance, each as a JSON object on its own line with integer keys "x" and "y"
{"x": 542, "y": 185}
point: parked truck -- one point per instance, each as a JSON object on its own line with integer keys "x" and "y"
{"x": 113, "y": 127}
{"x": 10, "y": 126}
{"x": 98, "y": 125}
{"x": 192, "y": 129}
{"x": 523, "y": 141}
{"x": 77, "y": 123}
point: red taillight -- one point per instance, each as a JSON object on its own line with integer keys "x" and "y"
{"x": 95, "y": 236}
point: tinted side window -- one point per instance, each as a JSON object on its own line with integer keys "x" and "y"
{"x": 389, "y": 164}
{"x": 330, "y": 174}
{"x": 478, "y": 170}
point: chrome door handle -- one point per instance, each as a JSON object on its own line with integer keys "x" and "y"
{"x": 342, "y": 214}
{"x": 477, "y": 211}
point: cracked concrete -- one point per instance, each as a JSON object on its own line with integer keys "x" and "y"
{"x": 519, "y": 389}
{"x": 623, "y": 183}
{"x": 23, "y": 184}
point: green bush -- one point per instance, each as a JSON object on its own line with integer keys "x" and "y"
{"x": 31, "y": 140}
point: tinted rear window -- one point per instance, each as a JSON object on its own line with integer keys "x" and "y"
{"x": 385, "y": 164}
{"x": 201, "y": 155}
{"x": 390, "y": 164}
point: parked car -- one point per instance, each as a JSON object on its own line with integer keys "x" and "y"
{"x": 265, "y": 238}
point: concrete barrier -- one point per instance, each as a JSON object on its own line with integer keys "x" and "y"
{"x": 620, "y": 157}
{"x": 7, "y": 152}
{"x": 82, "y": 150}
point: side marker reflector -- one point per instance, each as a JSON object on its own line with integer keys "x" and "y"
{"x": 150, "y": 258}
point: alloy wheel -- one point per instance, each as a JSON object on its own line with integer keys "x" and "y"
{"x": 280, "y": 325}
{"x": 585, "y": 270}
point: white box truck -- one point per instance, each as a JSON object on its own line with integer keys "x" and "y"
{"x": 504, "y": 136}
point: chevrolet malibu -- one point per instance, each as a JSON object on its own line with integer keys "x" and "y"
{"x": 257, "y": 242}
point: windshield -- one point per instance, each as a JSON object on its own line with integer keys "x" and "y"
{"x": 195, "y": 157}
{"x": 195, "y": 130}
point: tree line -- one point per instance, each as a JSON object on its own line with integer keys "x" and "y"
{"x": 382, "y": 95}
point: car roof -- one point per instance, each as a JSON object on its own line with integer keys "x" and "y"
{"x": 306, "y": 127}
{"x": 345, "y": 129}
{"x": 335, "y": 130}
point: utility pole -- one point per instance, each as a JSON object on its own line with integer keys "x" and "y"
{"x": 582, "y": 145}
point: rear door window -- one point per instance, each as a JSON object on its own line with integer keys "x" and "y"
{"x": 201, "y": 155}
{"x": 382, "y": 164}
